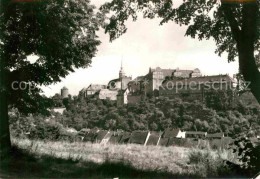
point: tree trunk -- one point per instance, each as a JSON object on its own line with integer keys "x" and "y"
{"x": 245, "y": 38}
{"x": 5, "y": 142}
{"x": 245, "y": 43}
{"x": 248, "y": 67}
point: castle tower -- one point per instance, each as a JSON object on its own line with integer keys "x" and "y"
{"x": 64, "y": 92}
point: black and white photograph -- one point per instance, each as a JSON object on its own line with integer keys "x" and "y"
{"x": 130, "y": 89}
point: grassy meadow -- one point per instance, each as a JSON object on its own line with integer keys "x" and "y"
{"x": 86, "y": 160}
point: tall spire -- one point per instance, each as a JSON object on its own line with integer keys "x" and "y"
{"x": 121, "y": 72}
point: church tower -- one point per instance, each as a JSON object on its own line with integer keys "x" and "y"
{"x": 121, "y": 72}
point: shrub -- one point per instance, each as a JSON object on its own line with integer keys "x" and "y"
{"x": 38, "y": 128}
{"x": 207, "y": 163}
{"x": 20, "y": 126}
{"x": 46, "y": 131}
{"x": 248, "y": 155}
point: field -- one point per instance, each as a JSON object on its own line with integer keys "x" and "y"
{"x": 86, "y": 160}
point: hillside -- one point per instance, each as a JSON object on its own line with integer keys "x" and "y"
{"x": 157, "y": 114}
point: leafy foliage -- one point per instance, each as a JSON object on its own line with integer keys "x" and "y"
{"x": 248, "y": 152}
{"x": 61, "y": 34}
{"x": 39, "y": 128}
{"x": 157, "y": 114}
{"x": 205, "y": 19}
{"x": 206, "y": 164}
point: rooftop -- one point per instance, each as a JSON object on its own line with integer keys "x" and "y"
{"x": 215, "y": 135}
{"x": 168, "y": 133}
{"x": 196, "y": 132}
{"x": 95, "y": 87}
{"x": 203, "y": 79}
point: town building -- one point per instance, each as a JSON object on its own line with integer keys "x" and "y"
{"x": 107, "y": 94}
{"x": 92, "y": 89}
{"x": 158, "y": 75}
{"x": 149, "y": 84}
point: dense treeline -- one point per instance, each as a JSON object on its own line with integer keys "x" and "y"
{"x": 154, "y": 114}
{"x": 157, "y": 114}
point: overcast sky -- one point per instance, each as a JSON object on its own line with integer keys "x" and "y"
{"x": 146, "y": 44}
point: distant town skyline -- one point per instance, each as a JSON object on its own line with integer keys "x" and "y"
{"x": 145, "y": 45}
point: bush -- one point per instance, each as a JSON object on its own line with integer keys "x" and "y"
{"x": 46, "y": 131}
{"x": 206, "y": 163}
{"x": 248, "y": 155}
{"x": 21, "y": 126}
{"x": 38, "y": 128}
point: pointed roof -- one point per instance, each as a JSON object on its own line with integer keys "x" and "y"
{"x": 153, "y": 138}
{"x": 138, "y": 137}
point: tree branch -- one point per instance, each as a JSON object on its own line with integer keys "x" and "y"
{"x": 231, "y": 19}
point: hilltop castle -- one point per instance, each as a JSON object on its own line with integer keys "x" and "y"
{"x": 159, "y": 82}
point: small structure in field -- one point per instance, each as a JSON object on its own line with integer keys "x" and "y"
{"x": 195, "y": 134}
{"x": 215, "y": 136}
{"x": 91, "y": 135}
{"x": 163, "y": 141}
{"x": 115, "y": 137}
{"x": 82, "y": 133}
{"x": 169, "y": 136}
{"x": 173, "y": 133}
{"x": 175, "y": 142}
{"x": 153, "y": 138}
{"x": 125, "y": 138}
{"x": 103, "y": 137}
{"x": 139, "y": 137}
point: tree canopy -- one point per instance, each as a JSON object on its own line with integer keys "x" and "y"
{"x": 60, "y": 33}
{"x": 158, "y": 114}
